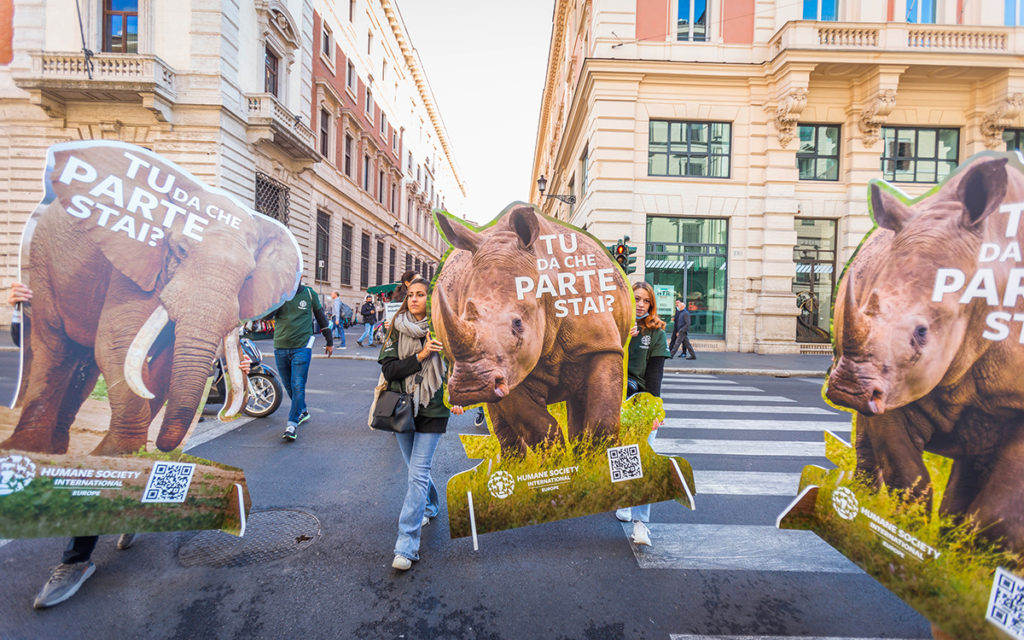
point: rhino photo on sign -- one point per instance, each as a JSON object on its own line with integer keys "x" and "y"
{"x": 532, "y": 313}
{"x": 141, "y": 275}
{"x": 929, "y": 350}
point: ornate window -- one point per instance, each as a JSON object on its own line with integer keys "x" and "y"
{"x": 918, "y": 154}
{"x": 346, "y": 253}
{"x": 271, "y": 71}
{"x": 121, "y": 26}
{"x": 280, "y": 41}
{"x": 323, "y": 235}
{"x": 272, "y": 198}
{"x": 693, "y": 149}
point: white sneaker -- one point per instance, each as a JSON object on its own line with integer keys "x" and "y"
{"x": 641, "y": 534}
{"x": 425, "y": 521}
{"x": 624, "y": 515}
{"x": 401, "y": 563}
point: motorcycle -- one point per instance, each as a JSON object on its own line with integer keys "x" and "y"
{"x": 265, "y": 389}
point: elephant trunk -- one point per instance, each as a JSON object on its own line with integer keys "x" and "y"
{"x": 194, "y": 350}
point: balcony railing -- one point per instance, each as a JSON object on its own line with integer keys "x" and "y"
{"x": 127, "y": 72}
{"x": 265, "y": 111}
{"x": 896, "y": 36}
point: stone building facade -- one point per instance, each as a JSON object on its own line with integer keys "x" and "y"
{"x": 733, "y": 140}
{"x": 225, "y": 89}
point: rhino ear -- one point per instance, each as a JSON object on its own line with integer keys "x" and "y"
{"x": 889, "y": 211}
{"x": 457, "y": 234}
{"x": 982, "y": 190}
{"x": 523, "y": 221}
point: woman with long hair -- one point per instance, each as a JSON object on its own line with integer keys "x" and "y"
{"x": 411, "y": 362}
{"x": 648, "y": 350}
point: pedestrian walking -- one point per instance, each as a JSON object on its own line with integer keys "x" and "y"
{"x": 647, "y": 354}
{"x": 410, "y": 360}
{"x": 293, "y": 349}
{"x": 369, "y": 313}
{"x": 680, "y": 327}
{"x": 339, "y": 326}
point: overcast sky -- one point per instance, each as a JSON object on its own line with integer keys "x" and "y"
{"x": 485, "y": 62}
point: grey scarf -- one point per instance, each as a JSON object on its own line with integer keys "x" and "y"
{"x": 410, "y": 336}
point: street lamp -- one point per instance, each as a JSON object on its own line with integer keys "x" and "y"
{"x": 542, "y": 184}
{"x": 381, "y": 236}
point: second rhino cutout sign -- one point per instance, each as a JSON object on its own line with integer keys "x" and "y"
{"x": 535, "y": 315}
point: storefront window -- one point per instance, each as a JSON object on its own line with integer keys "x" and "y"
{"x": 814, "y": 255}
{"x": 686, "y": 260}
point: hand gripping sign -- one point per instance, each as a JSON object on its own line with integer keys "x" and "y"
{"x": 929, "y": 353}
{"x": 534, "y": 316}
{"x": 140, "y": 273}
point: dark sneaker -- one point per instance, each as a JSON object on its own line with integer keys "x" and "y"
{"x": 359, "y": 342}
{"x": 478, "y": 421}
{"x": 289, "y": 432}
{"x": 303, "y": 417}
{"x": 63, "y": 583}
{"x": 126, "y": 540}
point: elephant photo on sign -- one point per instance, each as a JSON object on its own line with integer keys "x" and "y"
{"x": 141, "y": 273}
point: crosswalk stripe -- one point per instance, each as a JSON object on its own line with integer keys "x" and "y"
{"x": 709, "y": 547}
{"x": 740, "y": 397}
{"x": 695, "y": 376}
{"x": 723, "y": 408}
{"x": 710, "y": 389}
{"x": 745, "y": 483}
{"x": 686, "y": 446}
{"x": 692, "y": 380}
{"x": 756, "y": 425}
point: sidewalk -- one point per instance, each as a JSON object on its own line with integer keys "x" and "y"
{"x": 707, "y": 363}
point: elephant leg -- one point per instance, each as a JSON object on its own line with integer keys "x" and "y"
{"x": 124, "y": 312}
{"x": 999, "y": 506}
{"x": 521, "y": 422}
{"x": 82, "y": 383}
{"x": 596, "y": 408}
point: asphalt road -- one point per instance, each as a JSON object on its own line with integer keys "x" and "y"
{"x": 720, "y": 571}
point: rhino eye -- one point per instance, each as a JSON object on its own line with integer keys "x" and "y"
{"x": 517, "y": 325}
{"x": 920, "y": 334}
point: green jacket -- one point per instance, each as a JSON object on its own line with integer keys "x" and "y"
{"x": 649, "y": 344}
{"x": 293, "y": 324}
{"x": 398, "y": 369}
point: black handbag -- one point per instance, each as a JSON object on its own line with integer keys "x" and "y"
{"x": 393, "y": 412}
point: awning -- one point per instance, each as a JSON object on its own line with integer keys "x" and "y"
{"x": 383, "y": 288}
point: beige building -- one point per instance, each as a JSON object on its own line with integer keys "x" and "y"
{"x": 227, "y": 91}
{"x": 733, "y": 140}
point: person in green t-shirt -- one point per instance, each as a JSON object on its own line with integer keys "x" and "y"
{"x": 648, "y": 350}
{"x": 293, "y": 349}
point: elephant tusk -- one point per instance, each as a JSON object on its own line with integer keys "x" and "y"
{"x": 139, "y": 350}
{"x": 236, "y": 392}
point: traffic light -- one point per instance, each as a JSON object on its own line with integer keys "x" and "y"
{"x": 621, "y": 254}
{"x": 630, "y": 259}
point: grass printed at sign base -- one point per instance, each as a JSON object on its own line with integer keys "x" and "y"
{"x": 951, "y": 590}
{"x": 589, "y": 488}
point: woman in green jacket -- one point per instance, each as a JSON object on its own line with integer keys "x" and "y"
{"x": 410, "y": 359}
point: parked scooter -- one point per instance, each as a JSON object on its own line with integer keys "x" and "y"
{"x": 265, "y": 388}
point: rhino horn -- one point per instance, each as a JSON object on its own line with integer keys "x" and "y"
{"x": 461, "y": 335}
{"x": 855, "y": 321}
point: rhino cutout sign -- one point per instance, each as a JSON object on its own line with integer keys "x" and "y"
{"x": 534, "y": 316}
{"x": 140, "y": 274}
{"x": 927, "y": 323}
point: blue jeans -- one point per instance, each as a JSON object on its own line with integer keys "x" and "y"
{"x": 643, "y": 512}
{"x": 339, "y": 333}
{"x": 367, "y": 333}
{"x": 421, "y": 495}
{"x": 293, "y": 365}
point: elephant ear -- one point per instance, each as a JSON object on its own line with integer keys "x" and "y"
{"x": 142, "y": 262}
{"x": 277, "y": 272}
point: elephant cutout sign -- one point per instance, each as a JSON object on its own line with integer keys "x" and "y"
{"x": 929, "y": 498}
{"x": 140, "y": 275}
{"x": 535, "y": 316}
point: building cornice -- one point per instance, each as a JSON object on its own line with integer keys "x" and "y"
{"x": 420, "y": 78}
{"x": 555, "y": 49}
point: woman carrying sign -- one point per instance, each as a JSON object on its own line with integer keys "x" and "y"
{"x": 411, "y": 358}
{"x": 648, "y": 350}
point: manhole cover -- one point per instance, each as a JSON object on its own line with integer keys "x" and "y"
{"x": 269, "y": 535}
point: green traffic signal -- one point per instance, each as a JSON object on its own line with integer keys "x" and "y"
{"x": 630, "y": 259}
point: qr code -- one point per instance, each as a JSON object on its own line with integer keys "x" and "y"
{"x": 1006, "y": 604}
{"x": 169, "y": 482}
{"x": 624, "y": 463}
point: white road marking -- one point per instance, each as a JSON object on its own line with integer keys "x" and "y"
{"x": 216, "y": 429}
{"x": 719, "y": 408}
{"x": 696, "y": 380}
{"x": 4, "y": 541}
{"x": 684, "y": 447}
{"x": 734, "y": 547}
{"x": 745, "y": 483}
{"x": 756, "y": 425}
{"x": 731, "y": 397}
{"x": 710, "y": 388}
{"x": 677, "y": 636}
